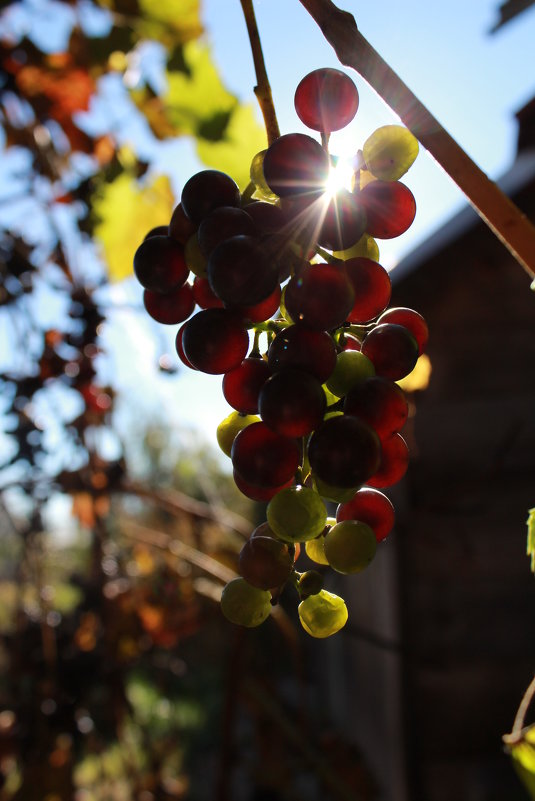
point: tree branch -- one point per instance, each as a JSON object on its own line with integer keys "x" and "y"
{"x": 509, "y": 224}
{"x": 263, "y": 89}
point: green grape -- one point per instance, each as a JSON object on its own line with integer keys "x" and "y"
{"x": 296, "y": 514}
{"x": 194, "y": 257}
{"x": 314, "y": 548}
{"x": 257, "y": 177}
{"x": 310, "y": 583}
{"x": 230, "y": 427}
{"x": 351, "y": 368}
{"x": 366, "y": 246}
{"x": 245, "y": 605}
{"x": 350, "y": 546}
{"x": 390, "y": 151}
{"x": 322, "y": 614}
{"x": 331, "y": 493}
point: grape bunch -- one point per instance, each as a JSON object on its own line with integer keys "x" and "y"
{"x": 280, "y": 291}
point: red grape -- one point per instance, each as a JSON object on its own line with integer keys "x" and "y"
{"x": 292, "y": 403}
{"x": 264, "y": 458}
{"x": 259, "y": 494}
{"x": 173, "y": 307}
{"x": 372, "y": 286}
{"x": 390, "y": 208}
{"x": 296, "y": 164}
{"x": 394, "y": 462}
{"x": 264, "y": 310}
{"x": 344, "y": 451}
{"x": 215, "y": 341}
{"x": 343, "y": 221}
{"x": 371, "y": 507}
{"x": 241, "y": 386}
{"x": 411, "y": 320}
{"x": 159, "y": 264}
{"x": 221, "y": 224}
{"x": 204, "y": 297}
{"x": 320, "y": 297}
{"x": 180, "y": 227}
{"x": 239, "y": 272}
{"x": 380, "y": 403}
{"x": 305, "y": 349}
{"x": 392, "y": 349}
{"x": 326, "y": 100}
{"x": 206, "y": 191}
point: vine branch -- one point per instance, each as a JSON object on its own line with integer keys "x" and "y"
{"x": 518, "y": 725}
{"x": 508, "y": 223}
{"x": 263, "y": 89}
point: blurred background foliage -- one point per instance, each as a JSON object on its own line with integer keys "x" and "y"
{"x": 119, "y": 678}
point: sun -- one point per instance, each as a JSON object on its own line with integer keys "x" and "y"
{"x": 340, "y": 176}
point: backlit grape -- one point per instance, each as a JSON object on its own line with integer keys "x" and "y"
{"x": 323, "y": 614}
{"x": 244, "y": 604}
{"x": 297, "y": 514}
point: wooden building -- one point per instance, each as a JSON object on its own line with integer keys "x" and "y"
{"x": 441, "y": 641}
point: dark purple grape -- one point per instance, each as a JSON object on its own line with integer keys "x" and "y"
{"x": 411, "y": 320}
{"x": 181, "y": 227}
{"x": 296, "y": 164}
{"x": 390, "y": 208}
{"x": 380, "y": 403}
{"x": 263, "y": 458}
{"x": 159, "y": 264}
{"x": 159, "y": 230}
{"x": 394, "y": 463}
{"x": 204, "y": 297}
{"x": 173, "y": 307}
{"x": 241, "y": 386}
{"x": 265, "y": 562}
{"x": 372, "y": 286}
{"x": 292, "y": 403}
{"x": 215, "y": 341}
{"x": 392, "y": 349}
{"x": 342, "y": 222}
{"x": 268, "y": 218}
{"x": 320, "y": 297}
{"x": 221, "y": 224}
{"x": 239, "y": 272}
{"x": 371, "y": 507}
{"x": 305, "y": 349}
{"x": 206, "y": 191}
{"x": 326, "y": 100}
{"x": 344, "y": 451}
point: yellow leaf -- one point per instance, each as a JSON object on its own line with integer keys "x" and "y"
{"x": 166, "y": 18}
{"x": 199, "y": 100}
{"x": 244, "y": 137}
{"x": 127, "y": 211}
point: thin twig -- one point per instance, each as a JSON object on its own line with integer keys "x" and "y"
{"x": 175, "y": 502}
{"x": 509, "y": 224}
{"x": 518, "y": 725}
{"x": 263, "y": 89}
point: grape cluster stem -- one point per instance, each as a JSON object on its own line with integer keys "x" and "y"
{"x": 263, "y": 89}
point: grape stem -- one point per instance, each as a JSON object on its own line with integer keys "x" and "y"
{"x": 518, "y": 725}
{"x": 262, "y": 89}
{"x": 508, "y": 223}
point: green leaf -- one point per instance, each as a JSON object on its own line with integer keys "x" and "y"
{"x": 243, "y": 138}
{"x": 163, "y": 20}
{"x": 523, "y": 756}
{"x": 127, "y": 211}
{"x": 531, "y": 537}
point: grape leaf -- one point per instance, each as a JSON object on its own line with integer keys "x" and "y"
{"x": 164, "y": 22}
{"x": 531, "y": 537}
{"x": 242, "y": 139}
{"x": 127, "y": 211}
{"x": 523, "y": 756}
{"x": 193, "y": 100}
